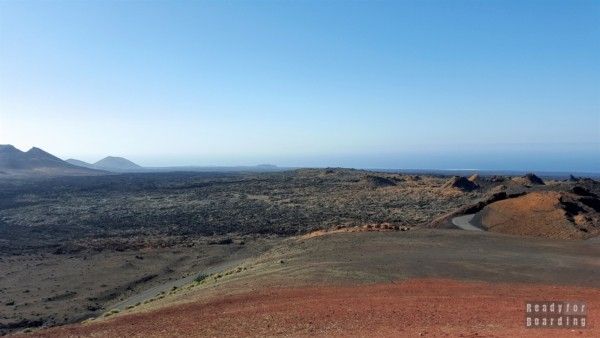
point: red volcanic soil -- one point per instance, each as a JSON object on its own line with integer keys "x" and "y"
{"x": 417, "y": 307}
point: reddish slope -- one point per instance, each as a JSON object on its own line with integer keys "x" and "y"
{"x": 426, "y": 307}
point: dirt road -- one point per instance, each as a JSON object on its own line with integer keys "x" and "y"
{"x": 464, "y": 222}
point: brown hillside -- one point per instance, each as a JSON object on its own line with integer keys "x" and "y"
{"x": 474, "y": 178}
{"x": 544, "y": 214}
{"x": 528, "y": 179}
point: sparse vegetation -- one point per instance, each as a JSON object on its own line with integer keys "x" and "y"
{"x": 111, "y": 312}
{"x": 164, "y": 208}
{"x": 200, "y": 278}
{"x": 140, "y": 220}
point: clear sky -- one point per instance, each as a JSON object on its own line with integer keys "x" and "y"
{"x": 378, "y": 84}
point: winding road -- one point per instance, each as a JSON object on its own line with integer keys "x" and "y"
{"x": 464, "y": 222}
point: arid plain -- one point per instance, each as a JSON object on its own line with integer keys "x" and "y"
{"x": 120, "y": 251}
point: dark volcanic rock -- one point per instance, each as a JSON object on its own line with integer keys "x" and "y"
{"x": 378, "y": 181}
{"x": 531, "y": 177}
{"x": 461, "y": 183}
{"x": 581, "y": 191}
{"x": 592, "y": 202}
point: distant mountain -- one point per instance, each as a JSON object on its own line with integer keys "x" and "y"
{"x": 35, "y": 161}
{"x": 11, "y": 157}
{"x": 38, "y": 162}
{"x": 80, "y": 163}
{"x": 109, "y": 163}
{"x": 112, "y": 163}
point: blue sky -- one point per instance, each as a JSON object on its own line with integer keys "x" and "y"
{"x": 378, "y": 84}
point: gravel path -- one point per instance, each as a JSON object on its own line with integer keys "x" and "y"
{"x": 464, "y": 222}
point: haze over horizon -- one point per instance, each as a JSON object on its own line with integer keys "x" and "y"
{"x": 461, "y": 85}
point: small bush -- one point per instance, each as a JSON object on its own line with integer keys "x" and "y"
{"x": 200, "y": 278}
